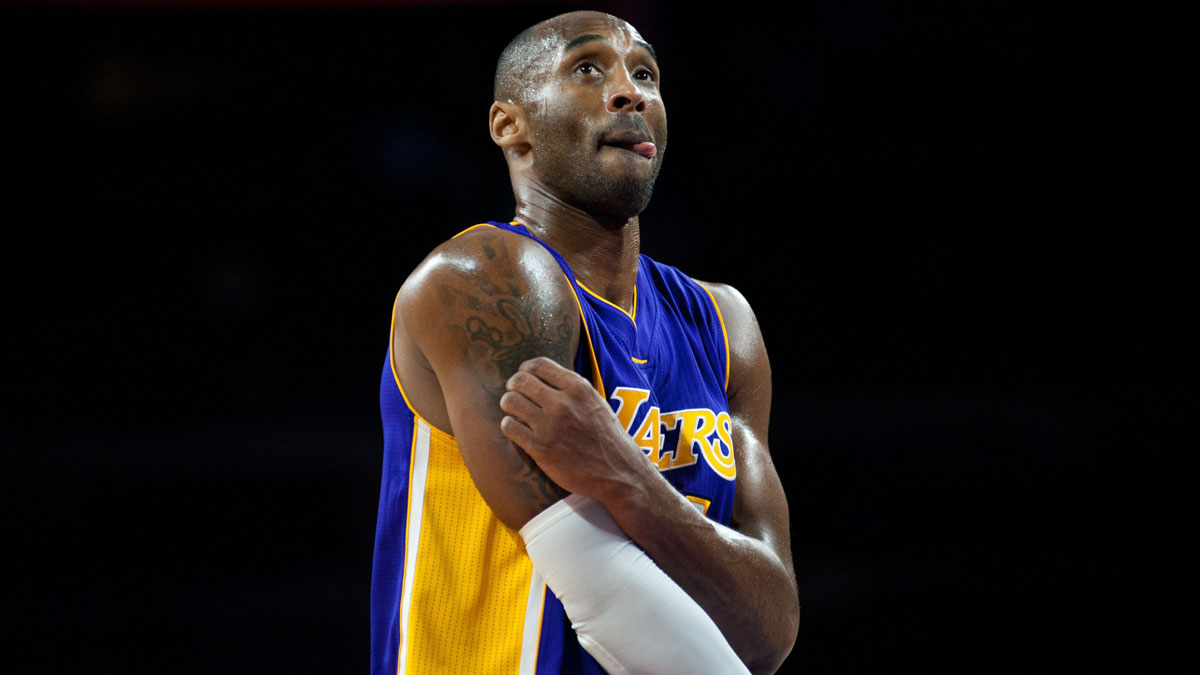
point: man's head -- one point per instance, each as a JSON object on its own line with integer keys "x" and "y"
{"x": 578, "y": 111}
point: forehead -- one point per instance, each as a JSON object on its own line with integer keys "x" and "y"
{"x": 575, "y": 30}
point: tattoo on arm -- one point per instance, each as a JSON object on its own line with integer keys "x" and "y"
{"x": 509, "y": 327}
{"x": 507, "y": 353}
{"x": 525, "y": 476}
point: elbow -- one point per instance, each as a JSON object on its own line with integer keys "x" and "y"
{"x": 781, "y": 638}
{"x": 792, "y": 629}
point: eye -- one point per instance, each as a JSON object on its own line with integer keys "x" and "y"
{"x": 644, "y": 74}
{"x": 586, "y": 68}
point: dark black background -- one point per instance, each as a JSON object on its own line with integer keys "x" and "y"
{"x": 966, "y": 233}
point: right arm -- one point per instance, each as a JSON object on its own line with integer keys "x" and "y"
{"x": 468, "y": 316}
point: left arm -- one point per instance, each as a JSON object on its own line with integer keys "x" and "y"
{"x": 741, "y": 575}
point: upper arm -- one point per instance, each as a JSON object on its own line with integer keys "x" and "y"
{"x": 472, "y": 312}
{"x": 760, "y": 507}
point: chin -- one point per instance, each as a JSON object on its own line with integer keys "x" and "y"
{"x": 606, "y": 192}
{"x": 623, "y": 202}
{"x": 623, "y": 196}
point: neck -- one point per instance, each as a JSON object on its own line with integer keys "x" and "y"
{"x": 602, "y": 252}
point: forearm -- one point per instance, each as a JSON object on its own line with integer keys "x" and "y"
{"x": 742, "y": 579}
{"x": 738, "y": 580}
{"x": 627, "y": 613}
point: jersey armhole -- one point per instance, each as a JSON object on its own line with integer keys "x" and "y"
{"x": 724, "y": 333}
{"x": 396, "y": 372}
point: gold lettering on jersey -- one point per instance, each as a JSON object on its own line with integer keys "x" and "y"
{"x": 696, "y": 429}
{"x": 720, "y": 454}
{"x": 628, "y": 400}
{"x": 649, "y": 437}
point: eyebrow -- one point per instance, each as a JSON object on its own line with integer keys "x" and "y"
{"x": 593, "y": 37}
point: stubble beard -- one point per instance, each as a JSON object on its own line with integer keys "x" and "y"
{"x": 581, "y": 181}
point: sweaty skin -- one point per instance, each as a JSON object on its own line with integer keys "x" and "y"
{"x": 487, "y": 327}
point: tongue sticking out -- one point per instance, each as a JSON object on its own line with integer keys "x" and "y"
{"x": 646, "y": 149}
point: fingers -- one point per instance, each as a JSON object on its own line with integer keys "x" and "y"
{"x": 517, "y": 432}
{"x": 550, "y": 372}
{"x": 539, "y": 395}
{"x": 526, "y": 392}
{"x": 541, "y": 381}
{"x": 518, "y": 405}
{"x": 517, "y": 425}
{"x": 548, "y": 385}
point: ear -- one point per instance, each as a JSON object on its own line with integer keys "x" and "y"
{"x": 508, "y": 126}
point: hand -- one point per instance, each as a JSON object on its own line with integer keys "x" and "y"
{"x": 563, "y": 424}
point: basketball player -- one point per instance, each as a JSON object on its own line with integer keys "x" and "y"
{"x": 576, "y": 476}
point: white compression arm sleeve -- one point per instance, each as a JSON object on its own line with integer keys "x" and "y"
{"x": 629, "y": 615}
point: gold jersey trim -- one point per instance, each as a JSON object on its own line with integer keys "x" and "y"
{"x": 632, "y": 316}
{"x": 724, "y": 333}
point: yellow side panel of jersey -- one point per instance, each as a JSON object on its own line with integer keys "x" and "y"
{"x": 472, "y": 581}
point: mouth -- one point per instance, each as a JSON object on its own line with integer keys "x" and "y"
{"x": 631, "y": 141}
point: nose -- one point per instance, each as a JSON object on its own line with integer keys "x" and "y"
{"x": 626, "y": 97}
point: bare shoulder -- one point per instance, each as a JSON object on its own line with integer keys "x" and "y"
{"x": 482, "y": 276}
{"x": 747, "y": 352}
{"x": 733, "y": 305}
{"x": 484, "y": 259}
{"x": 479, "y": 305}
